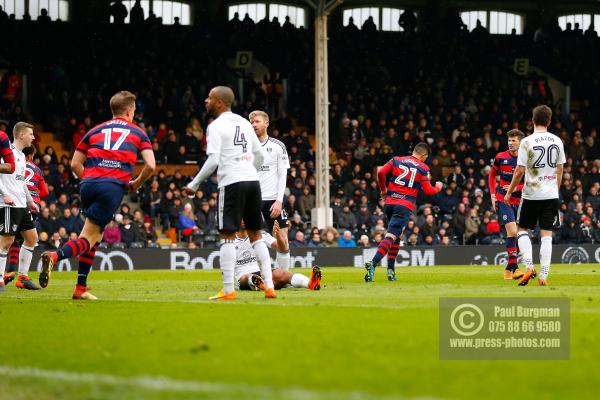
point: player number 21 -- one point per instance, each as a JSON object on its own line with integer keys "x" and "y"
{"x": 108, "y": 136}
{"x": 405, "y": 171}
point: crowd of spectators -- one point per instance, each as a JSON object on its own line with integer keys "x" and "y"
{"x": 453, "y": 91}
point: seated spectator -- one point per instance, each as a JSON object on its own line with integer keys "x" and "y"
{"x": 307, "y": 203}
{"x": 346, "y": 219}
{"x": 298, "y": 240}
{"x": 148, "y": 234}
{"x": 346, "y": 240}
{"x": 364, "y": 241}
{"x": 112, "y": 232}
{"x": 56, "y": 241}
{"x": 330, "y": 237}
{"x": 206, "y": 217}
{"x": 128, "y": 231}
{"x": 315, "y": 239}
{"x": 187, "y": 221}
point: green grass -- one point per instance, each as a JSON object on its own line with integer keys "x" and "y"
{"x": 153, "y": 335}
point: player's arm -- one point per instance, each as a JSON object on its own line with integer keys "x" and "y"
{"x": 32, "y": 206}
{"x": 560, "y": 166}
{"x": 43, "y": 188}
{"x": 210, "y": 165}
{"x": 8, "y": 166}
{"x": 282, "y": 168}
{"x": 492, "y": 183}
{"x": 382, "y": 177}
{"x": 8, "y": 200}
{"x": 517, "y": 176}
{"x": 147, "y": 171}
{"x": 77, "y": 163}
{"x": 428, "y": 189}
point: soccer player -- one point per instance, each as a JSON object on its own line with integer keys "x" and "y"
{"x": 273, "y": 176}
{"x": 15, "y": 205}
{"x": 7, "y": 166}
{"x": 504, "y": 166}
{"x": 104, "y": 161}
{"x": 247, "y": 271}
{"x": 233, "y": 146}
{"x": 541, "y": 158}
{"x": 34, "y": 179}
{"x": 400, "y": 180}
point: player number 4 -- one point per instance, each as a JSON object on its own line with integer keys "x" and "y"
{"x": 108, "y": 137}
{"x": 240, "y": 140}
{"x": 406, "y": 171}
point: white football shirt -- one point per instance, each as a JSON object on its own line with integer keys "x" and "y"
{"x": 246, "y": 261}
{"x": 13, "y": 184}
{"x": 276, "y": 159}
{"x": 540, "y": 154}
{"x": 233, "y": 139}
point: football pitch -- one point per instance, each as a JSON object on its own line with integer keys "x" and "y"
{"x": 154, "y": 335}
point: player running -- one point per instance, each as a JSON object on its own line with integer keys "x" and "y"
{"x": 400, "y": 180}
{"x": 504, "y": 166}
{"x": 15, "y": 214}
{"x": 541, "y": 158}
{"x": 34, "y": 179}
{"x": 247, "y": 271}
{"x": 273, "y": 177}
{"x": 104, "y": 161}
{"x": 233, "y": 146}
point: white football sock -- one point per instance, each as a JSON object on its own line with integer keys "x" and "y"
{"x": 283, "y": 260}
{"x": 25, "y": 256}
{"x": 227, "y": 253}
{"x": 3, "y": 259}
{"x": 525, "y": 249}
{"x": 545, "y": 256}
{"x": 264, "y": 261}
{"x": 299, "y": 281}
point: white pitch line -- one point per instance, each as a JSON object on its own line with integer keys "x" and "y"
{"x": 164, "y": 384}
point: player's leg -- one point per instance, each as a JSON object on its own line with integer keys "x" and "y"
{"x": 85, "y": 262}
{"x": 549, "y": 220}
{"x": 100, "y": 201}
{"x": 392, "y": 254}
{"x": 283, "y": 252}
{"x": 244, "y": 282}
{"x": 229, "y": 217}
{"x": 398, "y": 217}
{"x": 253, "y": 220}
{"x": 13, "y": 255}
{"x": 5, "y": 242}
{"x": 30, "y": 239}
{"x": 526, "y": 219}
{"x": 507, "y": 217}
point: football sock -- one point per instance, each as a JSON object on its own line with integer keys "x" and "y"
{"x": 382, "y": 250}
{"x": 13, "y": 257}
{"x": 3, "y": 259}
{"x": 227, "y": 253}
{"x": 392, "y": 254}
{"x": 25, "y": 256}
{"x": 86, "y": 260}
{"x": 525, "y": 248}
{"x": 545, "y": 256}
{"x": 283, "y": 260}
{"x": 511, "y": 249}
{"x": 264, "y": 260}
{"x": 299, "y": 281}
{"x": 73, "y": 248}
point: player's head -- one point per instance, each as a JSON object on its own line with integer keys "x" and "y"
{"x": 514, "y": 139}
{"x": 23, "y": 134}
{"x": 259, "y": 121}
{"x": 122, "y": 104}
{"x": 29, "y": 152}
{"x": 219, "y": 100}
{"x": 542, "y": 116}
{"x": 421, "y": 151}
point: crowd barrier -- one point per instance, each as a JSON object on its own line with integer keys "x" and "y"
{"x": 183, "y": 259}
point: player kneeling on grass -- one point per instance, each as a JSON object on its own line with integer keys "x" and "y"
{"x": 400, "y": 181}
{"x": 247, "y": 270}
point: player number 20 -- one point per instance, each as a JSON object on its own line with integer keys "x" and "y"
{"x": 108, "y": 136}
{"x": 551, "y": 156}
{"x": 406, "y": 171}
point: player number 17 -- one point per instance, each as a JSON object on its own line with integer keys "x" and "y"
{"x": 406, "y": 171}
{"x": 108, "y": 136}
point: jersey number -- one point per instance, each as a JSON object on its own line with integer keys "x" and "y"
{"x": 108, "y": 136}
{"x": 406, "y": 171}
{"x": 240, "y": 140}
{"x": 551, "y": 156}
{"x": 29, "y": 174}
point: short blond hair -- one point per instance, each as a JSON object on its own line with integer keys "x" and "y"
{"x": 258, "y": 113}
{"x": 20, "y": 128}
